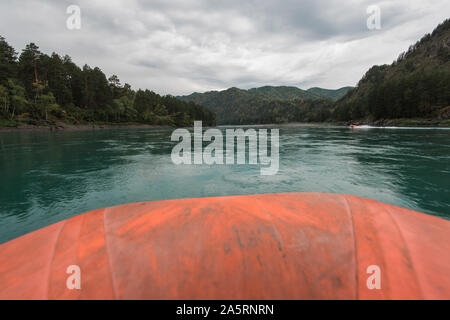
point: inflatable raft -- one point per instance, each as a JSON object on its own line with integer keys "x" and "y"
{"x": 273, "y": 246}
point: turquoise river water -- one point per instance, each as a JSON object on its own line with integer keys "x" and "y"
{"x": 46, "y": 177}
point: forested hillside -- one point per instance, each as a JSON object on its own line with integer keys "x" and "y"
{"x": 416, "y": 85}
{"x": 329, "y": 94}
{"x": 267, "y": 104}
{"x": 36, "y": 88}
{"x": 238, "y": 106}
{"x": 284, "y": 93}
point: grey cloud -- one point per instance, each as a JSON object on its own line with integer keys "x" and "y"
{"x": 180, "y": 46}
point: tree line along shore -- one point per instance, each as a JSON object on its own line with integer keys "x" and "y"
{"x": 43, "y": 90}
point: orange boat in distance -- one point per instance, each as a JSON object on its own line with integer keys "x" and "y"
{"x": 271, "y": 246}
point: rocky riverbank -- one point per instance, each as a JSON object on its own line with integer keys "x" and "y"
{"x": 60, "y": 126}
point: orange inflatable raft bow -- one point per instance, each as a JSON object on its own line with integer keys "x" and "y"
{"x": 274, "y": 246}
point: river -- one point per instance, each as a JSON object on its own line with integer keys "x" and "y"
{"x": 46, "y": 177}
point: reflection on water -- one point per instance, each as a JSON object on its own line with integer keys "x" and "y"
{"x": 47, "y": 177}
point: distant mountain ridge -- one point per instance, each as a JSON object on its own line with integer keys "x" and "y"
{"x": 283, "y": 93}
{"x": 329, "y": 93}
{"x": 239, "y": 106}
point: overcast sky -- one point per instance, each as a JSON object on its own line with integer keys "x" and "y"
{"x": 181, "y": 46}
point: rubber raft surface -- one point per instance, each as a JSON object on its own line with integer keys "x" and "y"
{"x": 274, "y": 246}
